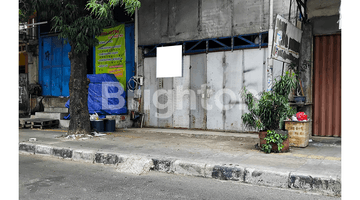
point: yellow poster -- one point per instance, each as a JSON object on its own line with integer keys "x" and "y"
{"x": 110, "y": 54}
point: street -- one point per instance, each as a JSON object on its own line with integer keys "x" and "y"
{"x": 51, "y": 178}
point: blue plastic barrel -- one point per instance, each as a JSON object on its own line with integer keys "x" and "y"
{"x": 98, "y": 125}
{"x": 109, "y": 125}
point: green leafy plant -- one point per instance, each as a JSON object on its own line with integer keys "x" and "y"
{"x": 273, "y": 138}
{"x": 270, "y": 111}
{"x": 298, "y": 70}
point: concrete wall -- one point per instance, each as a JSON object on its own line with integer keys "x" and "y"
{"x": 324, "y": 16}
{"x": 165, "y": 21}
{"x": 325, "y": 25}
{"x": 319, "y": 8}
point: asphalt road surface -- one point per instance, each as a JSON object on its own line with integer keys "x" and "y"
{"x": 52, "y": 178}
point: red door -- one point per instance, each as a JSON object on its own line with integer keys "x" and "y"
{"x": 327, "y": 86}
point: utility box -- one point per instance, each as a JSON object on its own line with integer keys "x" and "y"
{"x": 299, "y": 133}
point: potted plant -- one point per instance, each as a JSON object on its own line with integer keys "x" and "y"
{"x": 268, "y": 113}
{"x": 298, "y": 70}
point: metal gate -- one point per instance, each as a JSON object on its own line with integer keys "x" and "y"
{"x": 208, "y": 94}
{"x": 54, "y": 70}
{"x": 327, "y": 86}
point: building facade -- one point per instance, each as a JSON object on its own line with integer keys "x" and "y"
{"x": 225, "y": 47}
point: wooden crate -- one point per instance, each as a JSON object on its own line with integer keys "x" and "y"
{"x": 38, "y": 123}
{"x": 299, "y": 133}
{"x": 24, "y": 123}
{"x": 45, "y": 123}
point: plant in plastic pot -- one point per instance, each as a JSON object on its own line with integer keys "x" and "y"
{"x": 267, "y": 114}
{"x": 299, "y": 70}
{"x": 274, "y": 141}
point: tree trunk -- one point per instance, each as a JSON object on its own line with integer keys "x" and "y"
{"x": 78, "y": 87}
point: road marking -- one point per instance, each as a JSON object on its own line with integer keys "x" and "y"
{"x": 316, "y": 157}
{"x": 332, "y": 158}
{"x": 300, "y": 155}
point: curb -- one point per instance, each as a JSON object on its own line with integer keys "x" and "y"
{"x": 140, "y": 165}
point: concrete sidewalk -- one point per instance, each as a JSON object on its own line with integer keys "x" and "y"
{"x": 219, "y": 155}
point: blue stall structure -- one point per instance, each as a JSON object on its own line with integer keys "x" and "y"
{"x": 106, "y": 95}
{"x": 54, "y": 74}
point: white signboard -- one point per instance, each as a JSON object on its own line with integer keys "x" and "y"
{"x": 287, "y": 39}
{"x": 169, "y": 61}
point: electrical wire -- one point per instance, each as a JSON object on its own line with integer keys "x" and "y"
{"x": 136, "y": 82}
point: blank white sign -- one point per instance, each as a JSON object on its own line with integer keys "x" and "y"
{"x": 169, "y": 61}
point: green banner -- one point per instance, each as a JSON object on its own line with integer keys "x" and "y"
{"x": 110, "y": 56}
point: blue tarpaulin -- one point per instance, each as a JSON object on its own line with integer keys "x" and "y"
{"x": 106, "y": 95}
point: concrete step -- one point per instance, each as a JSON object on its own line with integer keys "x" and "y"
{"x": 64, "y": 123}
{"x": 50, "y": 115}
{"x": 54, "y": 110}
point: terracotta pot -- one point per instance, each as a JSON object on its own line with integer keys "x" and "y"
{"x": 262, "y": 135}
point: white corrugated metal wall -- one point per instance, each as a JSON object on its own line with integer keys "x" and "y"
{"x": 197, "y": 100}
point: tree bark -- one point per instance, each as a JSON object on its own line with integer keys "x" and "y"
{"x": 78, "y": 87}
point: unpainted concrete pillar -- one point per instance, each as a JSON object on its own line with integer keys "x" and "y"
{"x": 306, "y": 54}
{"x": 33, "y": 67}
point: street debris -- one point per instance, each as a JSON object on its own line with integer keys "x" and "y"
{"x": 79, "y": 136}
{"x": 32, "y": 139}
{"x": 96, "y": 134}
{"x": 94, "y": 117}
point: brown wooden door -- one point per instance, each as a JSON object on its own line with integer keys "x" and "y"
{"x": 327, "y": 86}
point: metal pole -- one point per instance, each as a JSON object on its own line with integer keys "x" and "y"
{"x": 271, "y": 28}
{"x": 270, "y": 41}
{"x": 33, "y": 29}
{"x": 34, "y": 24}
{"x": 136, "y": 42}
{"x": 260, "y": 40}
{"x": 290, "y": 10}
{"x": 297, "y": 16}
{"x": 232, "y": 43}
{"x": 30, "y": 106}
